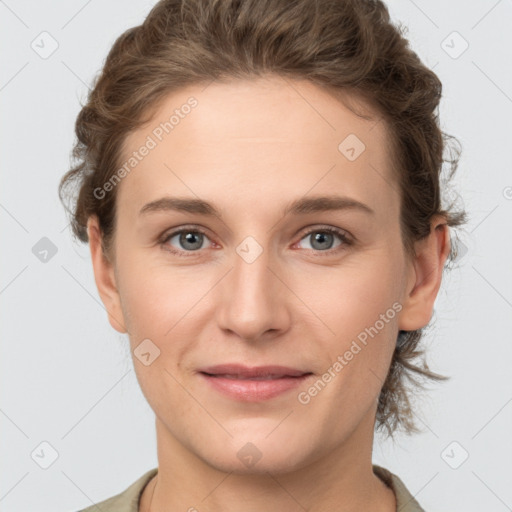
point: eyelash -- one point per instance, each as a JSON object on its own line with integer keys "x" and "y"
{"x": 346, "y": 241}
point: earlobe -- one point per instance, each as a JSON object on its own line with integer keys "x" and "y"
{"x": 426, "y": 273}
{"x": 104, "y": 277}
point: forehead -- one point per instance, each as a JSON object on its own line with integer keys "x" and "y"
{"x": 266, "y": 139}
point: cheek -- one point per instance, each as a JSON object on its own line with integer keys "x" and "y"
{"x": 345, "y": 300}
{"x": 168, "y": 394}
{"x": 159, "y": 312}
{"x": 169, "y": 308}
{"x": 155, "y": 298}
{"x": 355, "y": 323}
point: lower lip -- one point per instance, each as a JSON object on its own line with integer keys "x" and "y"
{"x": 253, "y": 390}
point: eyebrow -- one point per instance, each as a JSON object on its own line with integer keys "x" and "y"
{"x": 300, "y": 206}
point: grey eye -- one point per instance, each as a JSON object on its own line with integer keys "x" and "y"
{"x": 189, "y": 240}
{"x": 321, "y": 240}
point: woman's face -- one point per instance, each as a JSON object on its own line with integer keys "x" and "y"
{"x": 262, "y": 283}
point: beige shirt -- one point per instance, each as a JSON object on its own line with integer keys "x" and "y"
{"x": 128, "y": 500}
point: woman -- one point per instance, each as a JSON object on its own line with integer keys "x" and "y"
{"x": 258, "y": 132}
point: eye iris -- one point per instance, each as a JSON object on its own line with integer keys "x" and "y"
{"x": 321, "y": 237}
{"x": 196, "y": 239}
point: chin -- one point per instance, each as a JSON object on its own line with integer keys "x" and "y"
{"x": 257, "y": 454}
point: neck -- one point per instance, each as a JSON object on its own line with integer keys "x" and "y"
{"x": 341, "y": 479}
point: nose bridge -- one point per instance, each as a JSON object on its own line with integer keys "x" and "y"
{"x": 252, "y": 301}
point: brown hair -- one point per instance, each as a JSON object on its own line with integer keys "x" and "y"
{"x": 340, "y": 45}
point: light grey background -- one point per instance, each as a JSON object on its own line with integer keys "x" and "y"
{"x": 66, "y": 378}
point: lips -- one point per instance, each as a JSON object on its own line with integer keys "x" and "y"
{"x": 241, "y": 372}
{"x": 244, "y": 384}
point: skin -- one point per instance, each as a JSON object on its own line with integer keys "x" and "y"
{"x": 249, "y": 144}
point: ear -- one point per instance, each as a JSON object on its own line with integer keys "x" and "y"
{"x": 425, "y": 273}
{"x": 104, "y": 276}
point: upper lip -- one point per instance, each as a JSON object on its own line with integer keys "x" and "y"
{"x": 240, "y": 370}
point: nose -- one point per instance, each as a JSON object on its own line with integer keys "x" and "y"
{"x": 254, "y": 299}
